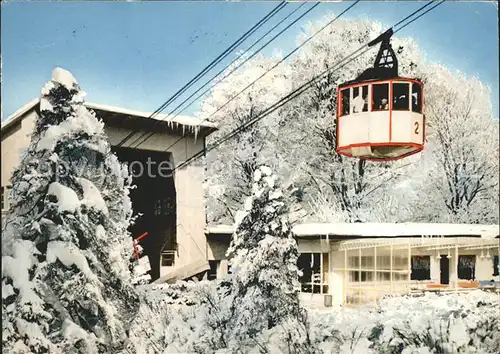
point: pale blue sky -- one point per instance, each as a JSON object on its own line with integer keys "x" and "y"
{"x": 137, "y": 54}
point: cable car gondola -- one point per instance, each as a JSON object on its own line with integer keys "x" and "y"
{"x": 379, "y": 114}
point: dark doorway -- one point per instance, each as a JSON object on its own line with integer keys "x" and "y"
{"x": 154, "y": 197}
{"x": 445, "y": 269}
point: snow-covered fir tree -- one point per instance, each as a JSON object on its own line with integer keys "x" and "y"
{"x": 66, "y": 272}
{"x": 263, "y": 255}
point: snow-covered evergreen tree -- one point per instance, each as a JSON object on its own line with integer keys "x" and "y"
{"x": 263, "y": 256}
{"x": 66, "y": 274}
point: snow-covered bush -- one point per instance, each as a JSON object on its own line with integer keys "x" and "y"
{"x": 180, "y": 293}
{"x": 448, "y": 323}
{"x": 453, "y": 323}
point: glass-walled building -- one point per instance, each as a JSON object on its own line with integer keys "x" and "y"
{"x": 351, "y": 264}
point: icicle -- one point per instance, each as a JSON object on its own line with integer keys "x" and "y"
{"x": 196, "y": 130}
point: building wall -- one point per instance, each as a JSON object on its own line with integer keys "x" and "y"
{"x": 15, "y": 139}
{"x": 188, "y": 180}
{"x": 339, "y": 286}
{"x": 191, "y": 240}
{"x": 216, "y": 249}
{"x": 314, "y": 246}
{"x": 483, "y": 270}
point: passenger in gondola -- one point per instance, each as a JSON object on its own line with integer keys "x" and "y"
{"x": 357, "y": 104}
{"x": 384, "y": 105}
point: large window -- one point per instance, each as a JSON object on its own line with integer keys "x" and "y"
{"x": 360, "y": 99}
{"x": 366, "y": 272}
{"x": 380, "y": 97}
{"x": 400, "y": 100}
{"x": 314, "y": 267}
{"x": 345, "y": 99}
{"x": 5, "y": 197}
{"x": 420, "y": 268}
{"x": 416, "y": 98}
{"x": 361, "y": 276}
{"x": 466, "y": 267}
{"x": 371, "y": 273}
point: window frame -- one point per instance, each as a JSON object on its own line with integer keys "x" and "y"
{"x": 495, "y": 260}
{"x": 389, "y": 93}
{"x": 310, "y": 287}
{"x": 408, "y": 95}
{"x": 167, "y": 252}
{"x": 366, "y": 99}
{"x": 5, "y": 191}
{"x": 213, "y": 272}
{"x": 460, "y": 269}
{"x": 342, "y": 103}
{"x": 413, "y": 275}
{"x": 420, "y": 102}
{"x": 3, "y": 197}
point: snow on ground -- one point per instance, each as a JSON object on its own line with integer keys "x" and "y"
{"x": 461, "y": 322}
{"x": 430, "y": 323}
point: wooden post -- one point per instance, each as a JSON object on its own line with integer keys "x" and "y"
{"x": 456, "y": 267}
{"x": 359, "y": 276}
{"x": 345, "y": 277}
{"x": 409, "y": 267}
{"x": 320, "y": 271}
{"x": 392, "y": 246}
{"x": 375, "y": 271}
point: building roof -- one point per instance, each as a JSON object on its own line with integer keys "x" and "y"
{"x": 17, "y": 115}
{"x": 183, "y": 121}
{"x": 352, "y": 230}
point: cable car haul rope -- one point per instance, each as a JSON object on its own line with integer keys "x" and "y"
{"x": 388, "y": 107}
{"x": 358, "y": 52}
